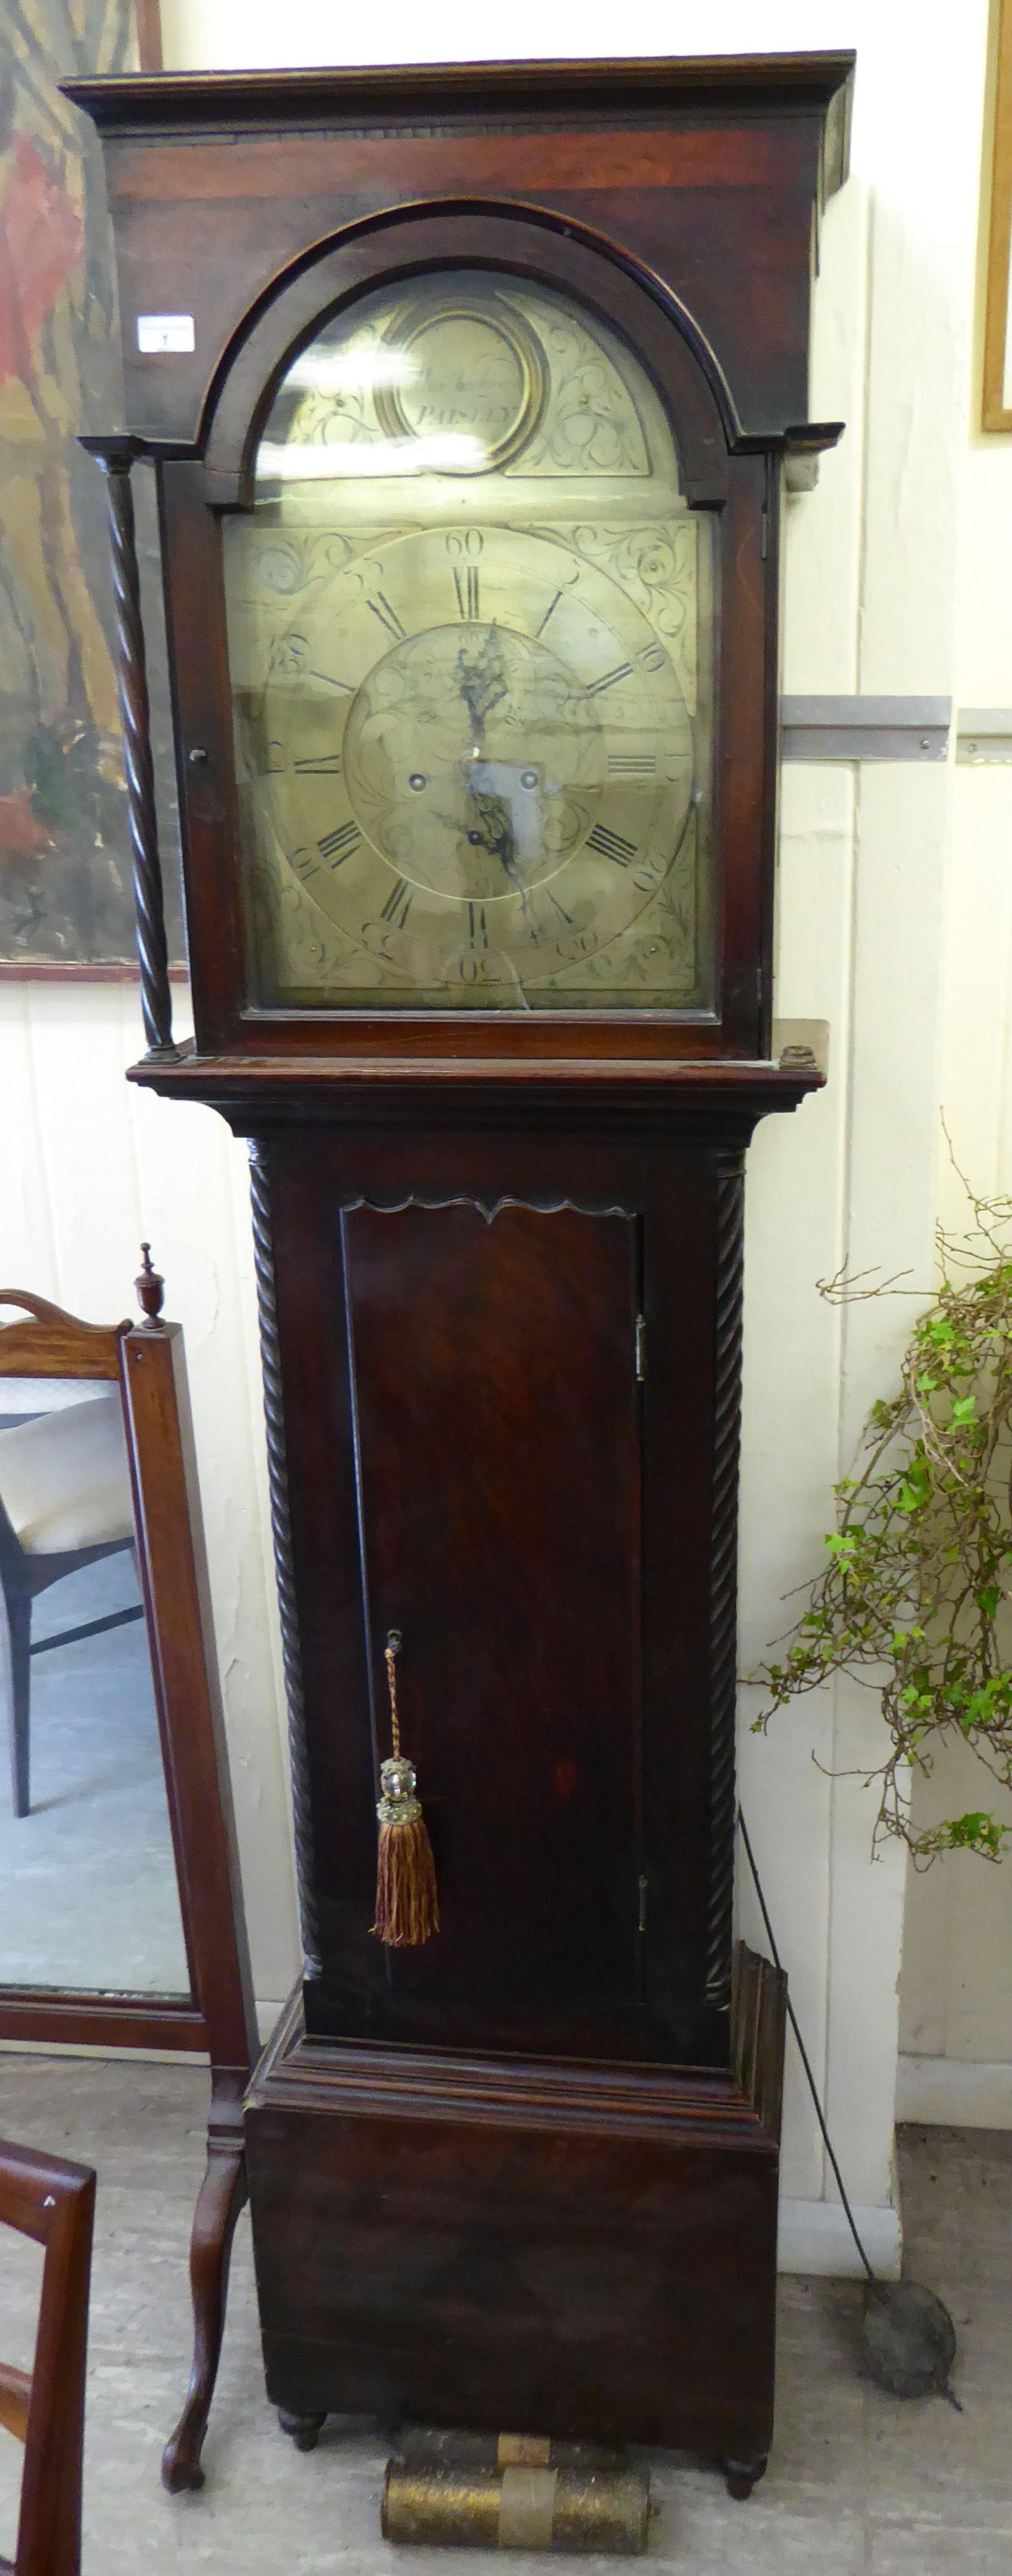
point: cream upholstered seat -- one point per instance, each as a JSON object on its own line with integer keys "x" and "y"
{"x": 64, "y": 1479}
{"x": 65, "y": 1501}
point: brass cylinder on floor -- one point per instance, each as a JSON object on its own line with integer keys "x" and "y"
{"x": 530, "y": 2497}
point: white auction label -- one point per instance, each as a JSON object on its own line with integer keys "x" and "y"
{"x": 162, "y": 333}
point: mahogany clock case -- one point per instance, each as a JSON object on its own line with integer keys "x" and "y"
{"x": 500, "y": 1263}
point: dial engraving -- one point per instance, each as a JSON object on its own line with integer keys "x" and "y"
{"x": 467, "y": 370}
{"x": 474, "y": 755}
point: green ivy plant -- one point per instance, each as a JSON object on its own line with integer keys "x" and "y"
{"x": 916, "y": 1586}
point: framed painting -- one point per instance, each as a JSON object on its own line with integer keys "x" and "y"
{"x": 996, "y": 408}
{"x": 66, "y": 904}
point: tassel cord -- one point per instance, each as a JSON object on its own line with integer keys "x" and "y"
{"x": 407, "y": 1909}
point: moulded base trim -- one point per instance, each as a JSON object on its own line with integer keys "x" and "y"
{"x": 954, "y": 2093}
{"x": 813, "y": 2236}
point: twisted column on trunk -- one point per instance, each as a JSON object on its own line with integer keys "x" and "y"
{"x": 135, "y": 718}
{"x": 277, "y": 1474}
{"x": 730, "y": 1249}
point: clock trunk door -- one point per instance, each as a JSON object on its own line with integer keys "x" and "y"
{"x": 496, "y": 1406}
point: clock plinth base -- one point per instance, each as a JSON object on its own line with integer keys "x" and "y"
{"x": 582, "y": 2250}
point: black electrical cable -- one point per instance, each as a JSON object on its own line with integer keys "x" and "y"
{"x": 908, "y": 2337}
{"x": 802, "y": 2050}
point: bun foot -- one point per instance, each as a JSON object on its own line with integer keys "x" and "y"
{"x": 304, "y": 2430}
{"x": 741, "y": 2476}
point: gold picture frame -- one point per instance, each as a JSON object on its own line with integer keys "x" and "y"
{"x": 996, "y": 404}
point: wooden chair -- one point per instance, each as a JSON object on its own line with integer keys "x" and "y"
{"x": 55, "y": 2204}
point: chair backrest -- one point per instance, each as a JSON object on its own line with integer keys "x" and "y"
{"x": 55, "y": 2204}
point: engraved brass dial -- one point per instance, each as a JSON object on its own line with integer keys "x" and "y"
{"x": 467, "y": 365}
{"x": 471, "y": 747}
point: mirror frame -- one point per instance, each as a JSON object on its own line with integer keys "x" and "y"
{"x": 147, "y": 1363}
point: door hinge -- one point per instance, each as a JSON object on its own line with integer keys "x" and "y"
{"x": 643, "y": 1905}
{"x": 641, "y": 1348}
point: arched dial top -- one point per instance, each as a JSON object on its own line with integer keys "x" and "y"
{"x": 471, "y": 638}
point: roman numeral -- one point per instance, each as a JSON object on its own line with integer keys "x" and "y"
{"x": 465, "y": 583}
{"x": 340, "y": 844}
{"x": 344, "y": 687}
{"x": 327, "y": 764}
{"x": 398, "y": 904}
{"x": 611, "y": 845}
{"x": 303, "y": 863}
{"x": 388, "y": 617}
{"x": 477, "y": 929}
{"x": 638, "y": 764}
{"x": 609, "y": 679}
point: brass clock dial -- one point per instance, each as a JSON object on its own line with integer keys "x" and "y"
{"x": 474, "y": 750}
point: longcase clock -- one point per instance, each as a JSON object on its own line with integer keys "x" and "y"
{"x": 470, "y": 396}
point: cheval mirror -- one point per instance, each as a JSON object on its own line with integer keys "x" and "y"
{"x": 121, "y": 1921}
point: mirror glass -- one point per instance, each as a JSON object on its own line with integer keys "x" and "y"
{"x": 89, "y": 1901}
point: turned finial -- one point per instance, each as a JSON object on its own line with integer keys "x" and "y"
{"x": 150, "y": 1288}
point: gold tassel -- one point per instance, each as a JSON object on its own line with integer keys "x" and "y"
{"x": 407, "y": 1911}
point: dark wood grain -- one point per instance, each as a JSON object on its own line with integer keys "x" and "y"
{"x": 676, "y": 202}
{"x": 527, "y": 2174}
{"x": 705, "y": 179}
{"x": 497, "y": 1416}
{"x": 52, "y": 2201}
{"x": 621, "y": 2230}
{"x": 70, "y": 2020}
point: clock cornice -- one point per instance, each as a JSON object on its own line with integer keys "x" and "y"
{"x": 707, "y": 176}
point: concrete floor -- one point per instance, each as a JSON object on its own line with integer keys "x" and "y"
{"x": 858, "y": 2481}
{"x": 88, "y": 1891}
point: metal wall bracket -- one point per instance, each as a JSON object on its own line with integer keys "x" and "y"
{"x": 865, "y": 728}
{"x": 984, "y": 735}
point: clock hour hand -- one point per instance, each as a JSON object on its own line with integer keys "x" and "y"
{"x": 495, "y": 827}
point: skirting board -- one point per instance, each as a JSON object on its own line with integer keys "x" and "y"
{"x": 953, "y": 2093}
{"x": 813, "y": 2236}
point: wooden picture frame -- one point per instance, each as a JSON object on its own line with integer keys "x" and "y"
{"x": 996, "y": 405}
{"x": 146, "y": 1361}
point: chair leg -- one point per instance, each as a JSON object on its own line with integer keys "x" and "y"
{"x": 15, "y": 1686}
